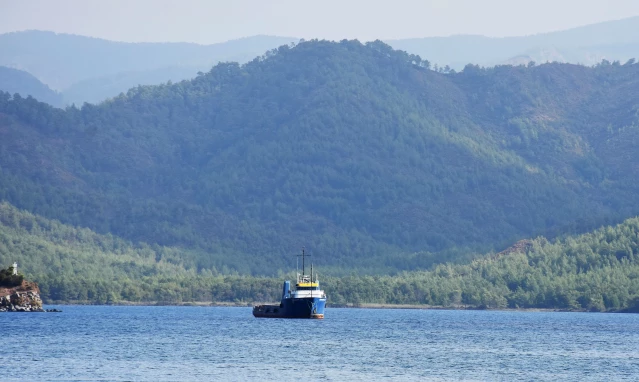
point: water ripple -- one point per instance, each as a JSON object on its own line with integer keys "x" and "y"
{"x": 99, "y": 343}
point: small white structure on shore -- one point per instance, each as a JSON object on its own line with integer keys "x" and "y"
{"x": 15, "y": 268}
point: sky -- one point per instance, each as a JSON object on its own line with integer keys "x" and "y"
{"x": 212, "y": 21}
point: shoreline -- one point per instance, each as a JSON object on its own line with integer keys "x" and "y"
{"x": 346, "y": 306}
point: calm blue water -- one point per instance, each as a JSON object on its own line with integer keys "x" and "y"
{"x": 100, "y": 343}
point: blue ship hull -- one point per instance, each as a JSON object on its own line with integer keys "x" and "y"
{"x": 310, "y": 307}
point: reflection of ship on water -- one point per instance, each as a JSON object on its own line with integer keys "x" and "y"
{"x": 307, "y": 300}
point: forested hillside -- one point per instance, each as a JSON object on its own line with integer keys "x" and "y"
{"x": 597, "y": 271}
{"x": 76, "y": 264}
{"x": 356, "y": 151}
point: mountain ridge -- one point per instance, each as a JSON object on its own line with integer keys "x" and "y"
{"x": 598, "y": 40}
{"x": 46, "y": 55}
{"x": 71, "y": 68}
{"x": 18, "y": 81}
{"x": 356, "y": 150}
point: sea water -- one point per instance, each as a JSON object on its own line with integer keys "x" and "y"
{"x": 116, "y": 343}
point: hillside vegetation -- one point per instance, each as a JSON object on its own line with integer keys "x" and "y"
{"x": 357, "y": 151}
{"x": 597, "y": 271}
{"x": 76, "y": 264}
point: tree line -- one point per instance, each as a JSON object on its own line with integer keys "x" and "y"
{"x": 597, "y": 271}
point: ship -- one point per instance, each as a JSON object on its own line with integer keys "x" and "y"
{"x": 307, "y": 300}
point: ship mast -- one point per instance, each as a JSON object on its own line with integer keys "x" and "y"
{"x": 303, "y": 255}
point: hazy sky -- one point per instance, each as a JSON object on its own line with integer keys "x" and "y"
{"x": 210, "y": 21}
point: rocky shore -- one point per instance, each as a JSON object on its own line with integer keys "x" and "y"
{"x": 22, "y": 298}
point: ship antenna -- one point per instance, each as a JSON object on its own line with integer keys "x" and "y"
{"x": 303, "y": 255}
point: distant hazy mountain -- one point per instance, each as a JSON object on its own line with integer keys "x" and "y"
{"x": 588, "y": 55}
{"x": 18, "y": 81}
{"x": 60, "y": 60}
{"x": 612, "y": 40}
{"x": 94, "y": 90}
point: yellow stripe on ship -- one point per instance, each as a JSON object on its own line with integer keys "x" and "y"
{"x": 307, "y": 284}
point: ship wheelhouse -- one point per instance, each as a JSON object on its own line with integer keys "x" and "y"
{"x": 305, "y": 288}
